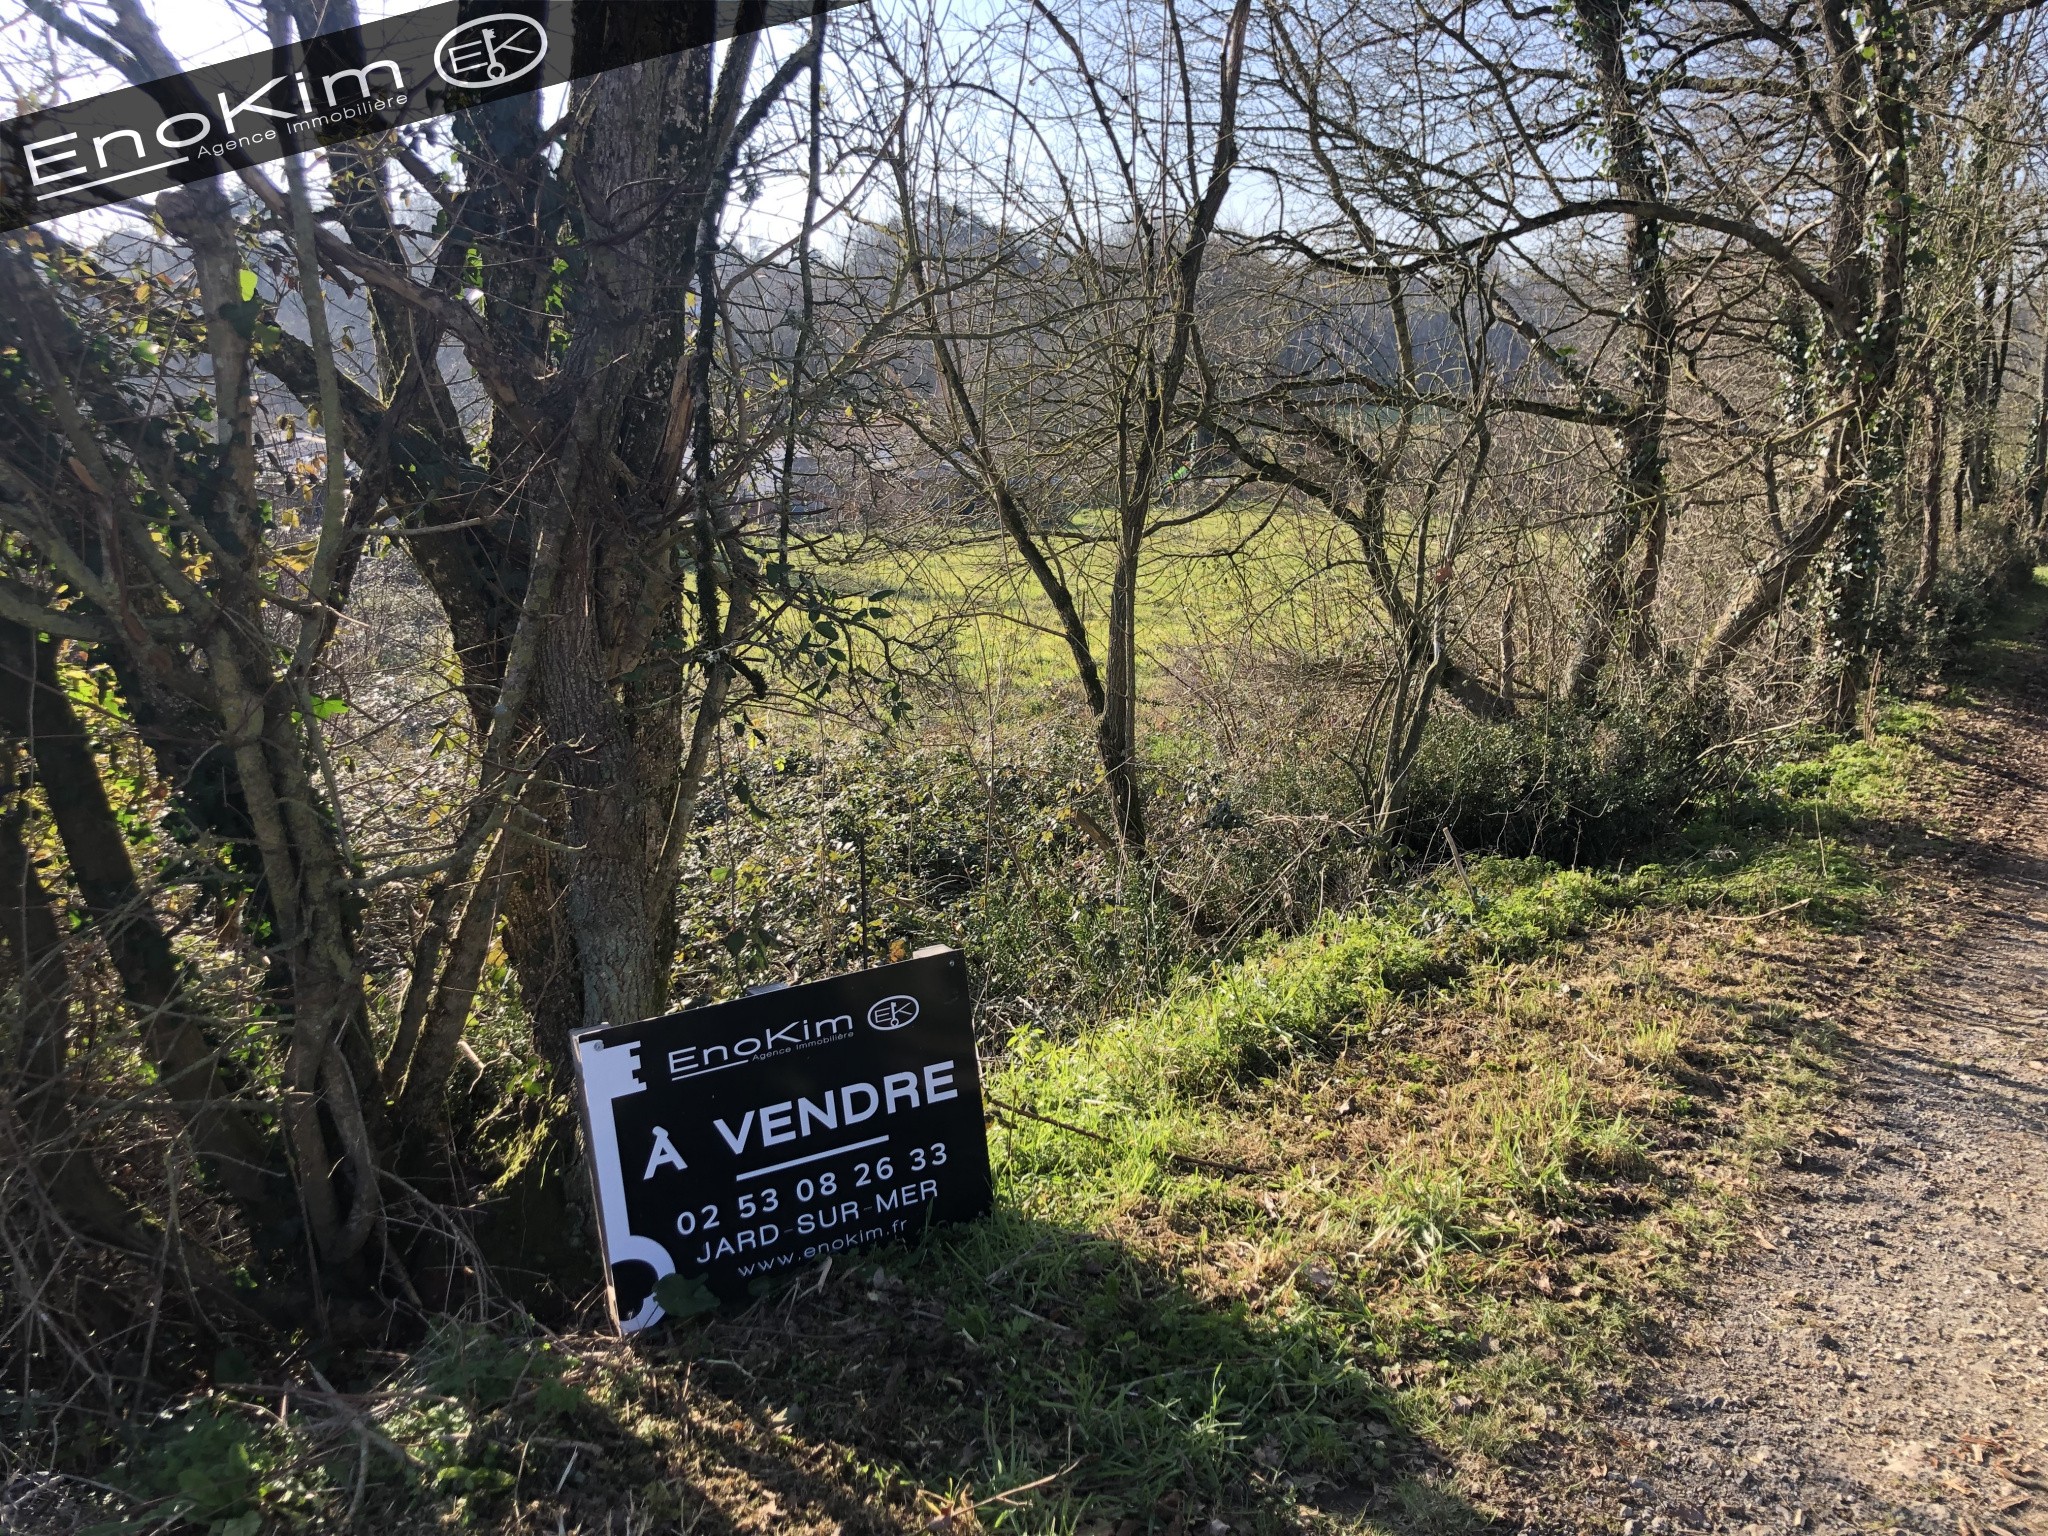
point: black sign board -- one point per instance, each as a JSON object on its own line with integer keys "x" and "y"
{"x": 734, "y": 1143}
{"x": 341, "y": 85}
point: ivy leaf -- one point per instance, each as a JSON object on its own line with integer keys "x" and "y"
{"x": 684, "y": 1296}
{"x": 243, "y": 318}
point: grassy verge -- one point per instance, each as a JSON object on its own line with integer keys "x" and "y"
{"x": 1302, "y": 1243}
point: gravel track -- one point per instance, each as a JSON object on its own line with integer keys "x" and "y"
{"x": 1879, "y": 1361}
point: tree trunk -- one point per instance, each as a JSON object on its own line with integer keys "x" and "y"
{"x": 193, "y": 1074}
{"x": 1867, "y": 115}
{"x": 37, "y": 1080}
{"x": 1117, "y": 725}
{"x": 1639, "y": 508}
{"x": 2034, "y": 482}
{"x": 1930, "y": 505}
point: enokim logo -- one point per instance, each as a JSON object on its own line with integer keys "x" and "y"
{"x": 491, "y": 50}
{"x": 338, "y": 86}
{"x": 893, "y": 1012}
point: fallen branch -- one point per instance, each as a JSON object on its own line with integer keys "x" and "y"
{"x": 364, "y": 1425}
{"x": 1757, "y": 917}
{"x": 1188, "y": 1158}
{"x": 944, "y": 1521}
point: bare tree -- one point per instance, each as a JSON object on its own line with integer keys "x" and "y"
{"x": 1124, "y": 243}
{"x": 564, "y": 490}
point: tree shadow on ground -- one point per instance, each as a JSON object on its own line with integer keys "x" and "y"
{"x": 1066, "y": 1381}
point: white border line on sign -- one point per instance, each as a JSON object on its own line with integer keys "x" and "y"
{"x": 798, "y": 1162}
{"x": 143, "y": 170}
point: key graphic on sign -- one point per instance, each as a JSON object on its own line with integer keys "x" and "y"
{"x": 733, "y": 1144}
{"x": 609, "y": 1075}
{"x": 491, "y": 50}
{"x": 893, "y": 1012}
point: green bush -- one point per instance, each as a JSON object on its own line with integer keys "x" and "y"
{"x": 223, "y": 1466}
{"x": 1578, "y": 787}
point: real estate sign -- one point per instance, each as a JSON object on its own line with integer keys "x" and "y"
{"x": 734, "y": 1143}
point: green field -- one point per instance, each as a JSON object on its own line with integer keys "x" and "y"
{"x": 1244, "y": 581}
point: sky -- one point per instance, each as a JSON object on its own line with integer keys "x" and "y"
{"x": 210, "y": 31}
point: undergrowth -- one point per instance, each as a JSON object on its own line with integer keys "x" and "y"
{"x": 1389, "y": 1192}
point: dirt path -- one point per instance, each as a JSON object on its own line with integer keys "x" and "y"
{"x": 1880, "y": 1363}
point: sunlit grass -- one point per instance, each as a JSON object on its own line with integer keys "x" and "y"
{"x": 1244, "y": 577}
{"x": 1394, "y": 1189}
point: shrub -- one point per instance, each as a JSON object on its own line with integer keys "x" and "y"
{"x": 1574, "y": 786}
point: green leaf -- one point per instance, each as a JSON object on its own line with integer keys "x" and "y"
{"x": 242, "y": 316}
{"x": 327, "y": 709}
{"x": 684, "y": 1296}
{"x": 231, "y": 1368}
{"x": 248, "y": 280}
